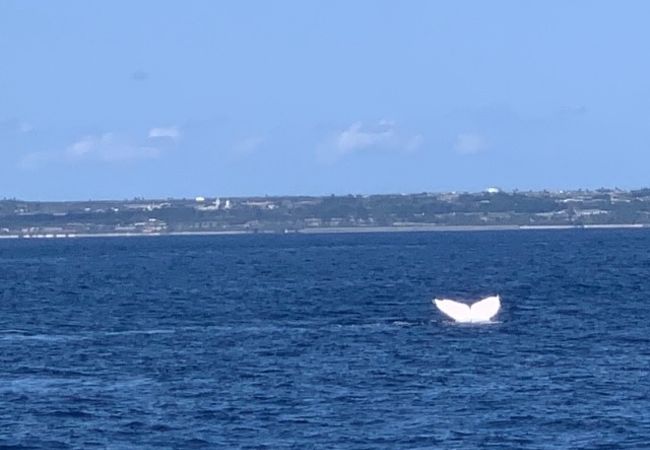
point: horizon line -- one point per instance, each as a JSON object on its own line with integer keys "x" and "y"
{"x": 491, "y": 190}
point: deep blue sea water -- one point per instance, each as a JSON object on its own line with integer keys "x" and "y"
{"x": 325, "y": 342}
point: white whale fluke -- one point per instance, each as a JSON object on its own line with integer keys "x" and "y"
{"x": 481, "y": 311}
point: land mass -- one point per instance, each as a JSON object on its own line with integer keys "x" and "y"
{"x": 491, "y": 209}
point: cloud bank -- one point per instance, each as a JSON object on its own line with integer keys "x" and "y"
{"x": 109, "y": 147}
{"x": 106, "y": 148}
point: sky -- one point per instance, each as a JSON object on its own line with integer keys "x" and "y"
{"x": 121, "y": 99}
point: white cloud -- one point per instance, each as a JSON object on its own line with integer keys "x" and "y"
{"x": 470, "y": 143}
{"x": 109, "y": 148}
{"x": 383, "y": 135}
{"x": 83, "y": 147}
{"x": 356, "y": 137}
{"x": 106, "y": 148}
{"x": 165, "y": 132}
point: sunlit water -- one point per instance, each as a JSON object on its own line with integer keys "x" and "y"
{"x": 325, "y": 342}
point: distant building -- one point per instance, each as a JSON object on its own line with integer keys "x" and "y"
{"x": 493, "y": 190}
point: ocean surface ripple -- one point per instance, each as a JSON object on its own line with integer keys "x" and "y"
{"x": 325, "y": 342}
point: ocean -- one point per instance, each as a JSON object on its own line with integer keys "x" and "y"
{"x": 326, "y": 342}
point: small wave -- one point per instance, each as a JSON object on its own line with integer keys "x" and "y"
{"x": 132, "y": 332}
{"x": 405, "y": 323}
{"x": 58, "y": 382}
{"x": 32, "y": 384}
{"x": 64, "y": 413}
{"x": 262, "y": 328}
{"x": 358, "y": 326}
{"x": 12, "y": 336}
{"x": 22, "y": 335}
{"x": 388, "y": 324}
{"x": 470, "y": 324}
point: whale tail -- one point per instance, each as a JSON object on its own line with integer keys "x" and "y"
{"x": 481, "y": 311}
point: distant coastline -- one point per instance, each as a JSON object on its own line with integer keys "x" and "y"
{"x": 490, "y": 210}
{"x": 338, "y": 230}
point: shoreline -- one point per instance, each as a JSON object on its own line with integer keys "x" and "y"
{"x": 337, "y": 230}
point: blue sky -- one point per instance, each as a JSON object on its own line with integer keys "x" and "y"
{"x": 118, "y": 99}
